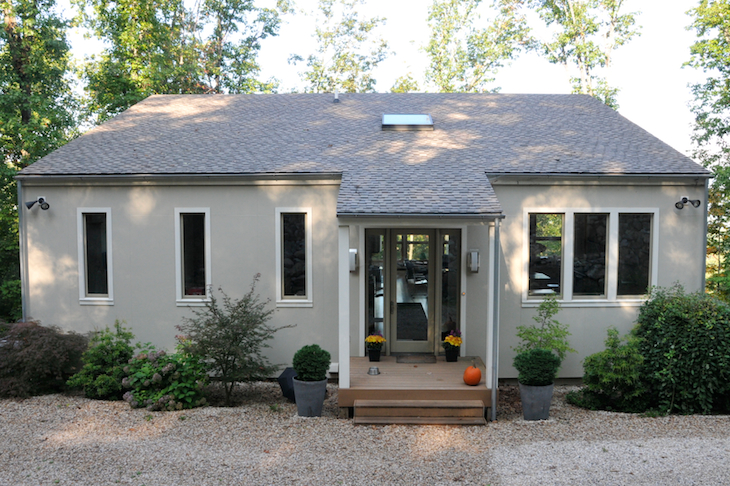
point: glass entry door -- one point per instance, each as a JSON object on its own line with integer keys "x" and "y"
{"x": 413, "y": 287}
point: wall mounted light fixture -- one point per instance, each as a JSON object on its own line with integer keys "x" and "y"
{"x": 41, "y": 201}
{"x": 685, "y": 200}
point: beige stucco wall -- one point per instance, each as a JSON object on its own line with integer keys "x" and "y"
{"x": 680, "y": 248}
{"x": 143, "y": 238}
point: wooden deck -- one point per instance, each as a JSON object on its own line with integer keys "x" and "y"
{"x": 413, "y": 381}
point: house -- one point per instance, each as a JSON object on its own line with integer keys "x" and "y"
{"x": 408, "y": 214}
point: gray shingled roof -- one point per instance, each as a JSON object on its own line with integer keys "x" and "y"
{"x": 427, "y": 172}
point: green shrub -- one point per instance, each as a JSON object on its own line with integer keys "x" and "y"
{"x": 537, "y": 367}
{"x": 109, "y": 351}
{"x": 311, "y": 363}
{"x": 613, "y": 377}
{"x": 685, "y": 343}
{"x": 230, "y": 339}
{"x": 35, "y": 359}
{"x": 11, "y": 308}
{"x": 548, "y": 334}
{"x": 161, "y": 381}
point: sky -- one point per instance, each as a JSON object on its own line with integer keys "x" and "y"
{"x": 654, "y": 90}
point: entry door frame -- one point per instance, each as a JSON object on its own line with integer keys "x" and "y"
{"x": 360, "y": 227}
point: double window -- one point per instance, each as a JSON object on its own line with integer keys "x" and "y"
{"x": 294, "y": 257}
{"x": 192, "y": 255}
{"x": 94, "y": 229}
{"x": 602, "y": 255}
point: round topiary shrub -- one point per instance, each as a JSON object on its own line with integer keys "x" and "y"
{"x": 537, "y": 367}
{"x": 311, "y": 363}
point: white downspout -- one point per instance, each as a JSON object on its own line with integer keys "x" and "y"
{"x": 495, "y": 320}
{"x": 343, "y": 266}
{"x": 24, "y": 289}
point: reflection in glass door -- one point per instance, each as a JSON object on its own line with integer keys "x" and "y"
{"x": 413, "y": 287}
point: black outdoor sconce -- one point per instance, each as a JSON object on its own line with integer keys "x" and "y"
{"x": 41, "y": 200}
{"x": 685, "y": 200}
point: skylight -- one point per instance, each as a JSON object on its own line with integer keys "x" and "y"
{"x": 407, "y": 122}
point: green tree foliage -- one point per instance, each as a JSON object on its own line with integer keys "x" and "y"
{"x": 230, "y": 338}
{"x": 711, "y": 108}
{"x": 464, "y": 57}
{"x": 37, "y": 115}
{"x": 584, "y": 35}
{"x": 347, "y": 50}
{"x": 104, "y": 361}
{"x": 548, "y": 333}
{"x": 405, "y": 84}
{"x": 162, "y": 47}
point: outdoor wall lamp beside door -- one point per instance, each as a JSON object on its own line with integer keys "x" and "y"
{"x": 472, "y": 261}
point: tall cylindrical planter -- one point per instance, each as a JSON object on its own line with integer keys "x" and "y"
{"x": 536, "y": 401}
{"x": 310, "y": 397}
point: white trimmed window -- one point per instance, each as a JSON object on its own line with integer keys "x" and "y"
{"x": 294, "y": 257}
{"x": 192, "y": 255}
{"x": 94, "y": 233}
{"x": 589, "y": 256}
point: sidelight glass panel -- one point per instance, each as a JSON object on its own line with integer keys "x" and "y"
{"x": 634, "y": 253}
{"x": 450, "y": 279}
{"x": 375, "y": 264}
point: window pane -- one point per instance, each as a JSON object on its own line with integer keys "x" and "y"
{"x": 193, "y": 229}
{"x": 589, "y": 260}
{"x": 294, "y": 254}
{"x": 546, "y": 253}
{"x": 96, "y": 270}
{"x": 634, "y": 236}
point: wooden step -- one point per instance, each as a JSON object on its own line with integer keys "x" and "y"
{"x": 457, "y": 412}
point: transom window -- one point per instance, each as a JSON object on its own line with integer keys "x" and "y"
{"x": 590, "y": 256}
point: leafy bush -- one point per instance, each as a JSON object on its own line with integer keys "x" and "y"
{"x": 311, "y": 363}
{"x": 685, "y": 342}
{"x": 161, "y": 381}
{"x": 109, "y": 351}
{"x": 613, "y": 377}
{"x": 229, "y": 340}
{"x": 537, "y": 367}
{"x": 36, "y": 359}
{"x": 548, "y": 334}
{"x": 10, "y": 304}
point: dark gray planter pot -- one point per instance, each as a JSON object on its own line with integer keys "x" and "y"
{"x": 309, "y": 397}
{"x": 536, "y": 401}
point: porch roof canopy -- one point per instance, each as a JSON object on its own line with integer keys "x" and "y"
{"x": 439, "y": 172}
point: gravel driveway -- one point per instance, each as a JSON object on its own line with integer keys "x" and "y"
{"x": 59, "y": 439}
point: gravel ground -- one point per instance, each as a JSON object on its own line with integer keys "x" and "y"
{"x": 58, "y": 439}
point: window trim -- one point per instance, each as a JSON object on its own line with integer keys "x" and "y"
{"x": 180, "y": 299}
{"x": 281, "y": 299}
{"x": 612, "y": 299}
{"x": 85, "y": 299}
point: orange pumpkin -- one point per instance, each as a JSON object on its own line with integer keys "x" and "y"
{"x": 472, "y": 375}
